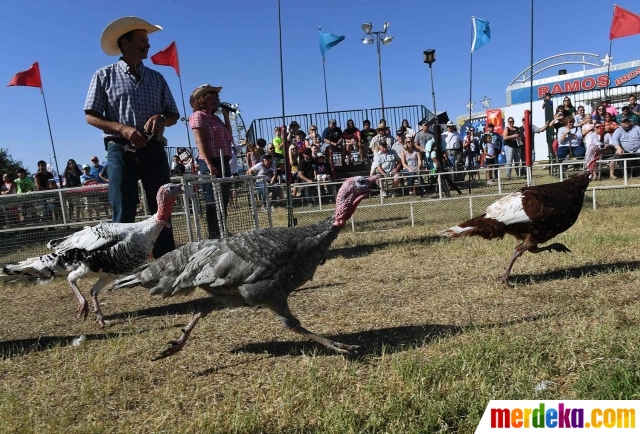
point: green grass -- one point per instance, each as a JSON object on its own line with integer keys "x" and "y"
{"x": 439, "y": 335}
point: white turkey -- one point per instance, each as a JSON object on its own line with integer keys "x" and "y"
{"x": 260, "y": 267}
{"x": 533, "y": 214}
{"x": 107, "y": 250}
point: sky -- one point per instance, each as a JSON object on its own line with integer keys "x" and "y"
{"x": 235, "y": 44}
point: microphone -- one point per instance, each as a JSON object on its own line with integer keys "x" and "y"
{"x": 228, "y": 107}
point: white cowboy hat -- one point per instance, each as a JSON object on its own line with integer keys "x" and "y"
{"x": 113, "y": 32}
{"x": 201, "y": 90}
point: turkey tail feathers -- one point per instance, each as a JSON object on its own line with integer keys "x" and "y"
{"x": 484, "y": 227}
{"x": 129, "y": 281}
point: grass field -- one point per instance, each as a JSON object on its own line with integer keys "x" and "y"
{"x": 439, "y": 335}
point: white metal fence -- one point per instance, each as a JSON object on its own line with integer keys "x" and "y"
{"x": 214, "y": 208}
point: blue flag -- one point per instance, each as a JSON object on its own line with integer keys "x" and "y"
{"x": 481, "y": 33}
{"x": 328, "y": 41}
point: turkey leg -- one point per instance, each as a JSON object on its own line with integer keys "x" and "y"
{"x": 518, "y": 251}
{"x": 83, "y": 307}
{"x": 291, "y": 322}
{"x": 101, "y": 283}
{"x": 178, "y": 344}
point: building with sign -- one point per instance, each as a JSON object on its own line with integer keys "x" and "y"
{"x": 598, "y": 77}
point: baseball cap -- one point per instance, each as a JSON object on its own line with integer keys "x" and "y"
{"x": 625, "y": 119}
{"x": 319, "y": 154}
{"x": 86, "y": 166}
{"x": 307, "y": 151}
{"x": 332, "y": 121}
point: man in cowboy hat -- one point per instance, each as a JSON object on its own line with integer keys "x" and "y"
{"x": 132, "y": 105}
{"x": 382, "y": 136}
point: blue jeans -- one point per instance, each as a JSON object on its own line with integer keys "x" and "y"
{"x": 411, "y": 179}
{"x": 513, "y": 155}
{"x": 150, "y": 165}
{"x": 563, "y": 151}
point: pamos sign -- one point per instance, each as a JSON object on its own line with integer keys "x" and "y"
{"x": 572, "y": 86}
{"x": 591, "y": 80}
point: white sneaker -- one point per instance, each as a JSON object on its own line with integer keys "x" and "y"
{"x": 383, "y": 193}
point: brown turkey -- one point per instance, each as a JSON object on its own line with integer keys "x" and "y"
{"x": 260, "y": 267}
{"x": 534, "y": 214}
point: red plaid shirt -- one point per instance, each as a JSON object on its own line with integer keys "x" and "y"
{"x": 216, "y": 137}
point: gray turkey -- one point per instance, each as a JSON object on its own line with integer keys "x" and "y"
{"x": 533, "y": 214}
{"x": 260, "y": 267}
{"x": 107, "y": 250}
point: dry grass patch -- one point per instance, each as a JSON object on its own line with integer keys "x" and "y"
{"x": 440, "y": 337}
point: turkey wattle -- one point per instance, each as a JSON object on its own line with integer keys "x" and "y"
{"x": 107, "y": 250}
{"x": 260, "y": 267}
{"x": 533, "y": 214}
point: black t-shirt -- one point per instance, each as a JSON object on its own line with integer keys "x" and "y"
{"x": 42, "y": 178}
{"x": 332, "y": 134}
{"x": 306, "y": 168}
{"x": 366, "y": 136}
{"x": 73, "y": 178}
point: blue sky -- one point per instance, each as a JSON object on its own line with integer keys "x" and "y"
{"x": 235, "y": 44}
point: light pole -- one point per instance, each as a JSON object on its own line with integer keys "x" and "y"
{"x": 429, "y": 56}
{"x": 381, "y": 37}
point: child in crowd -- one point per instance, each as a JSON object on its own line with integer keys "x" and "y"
{"x": 278, "y": 142}
{"x": 321, "y": 170}
{"x": 489, "y": 158}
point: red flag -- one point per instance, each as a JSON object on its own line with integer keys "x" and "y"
{"x": 168, "y": 57}
{"x": 624, "y": 23}
{"x": 30, "y": 77}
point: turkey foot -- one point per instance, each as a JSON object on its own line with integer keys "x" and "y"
{"x": 177, "y": 345}
{"x": 342, "y": 348}
{"x": 558, "y": 247}
{"x": 328, "y": 343}
{"x": 83, "y": 310}
{"x": 96, "y": 309}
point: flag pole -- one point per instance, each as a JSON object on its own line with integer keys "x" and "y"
{"x": 55, "y": 158}
{"x": 287, "y": 163}
{"x": 471, "y": 69}
{"x": 186, "y": 124}
{"x": 324, "y": 73}
{"x": 609, "y": 68}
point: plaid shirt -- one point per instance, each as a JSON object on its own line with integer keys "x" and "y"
{"x": 216, "y": 137}
{"x": 114, "y": 93}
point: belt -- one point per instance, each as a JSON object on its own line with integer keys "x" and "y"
{"x": 126, "y": 144}
{"x": 118, "y": 140}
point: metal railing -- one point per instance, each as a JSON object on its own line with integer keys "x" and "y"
{"x": 264, "y": 128}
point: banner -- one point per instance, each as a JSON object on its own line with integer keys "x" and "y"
{"x": 524, "y": 416}
{"x": 624, "y": 23}
{"x": 481, "y": 33}
{"x": 494, "y": 116}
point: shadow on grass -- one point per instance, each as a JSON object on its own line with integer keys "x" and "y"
{"x": 22, "y": 347}
{"x": 574, "y": 272}
{"x": 376, "y": 342}
{"x": 186, "y": 307}
{"x": 367, "y": 249}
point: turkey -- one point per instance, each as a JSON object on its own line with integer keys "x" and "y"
{"x": 533, "y": 215}
{"x": 260, "y": 267}
{"x": 107, "y": 250}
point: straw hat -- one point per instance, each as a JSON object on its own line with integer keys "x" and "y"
{"x": 201, "y": 90}
{"x": 113, "y": 32}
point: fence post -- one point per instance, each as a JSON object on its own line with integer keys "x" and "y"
{"x": 252, "y": 201}
{"x": 62, "y": 207}
{"x": 187, "y": 191}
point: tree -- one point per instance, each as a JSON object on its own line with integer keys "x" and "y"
{"x": 8, "y": 164}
